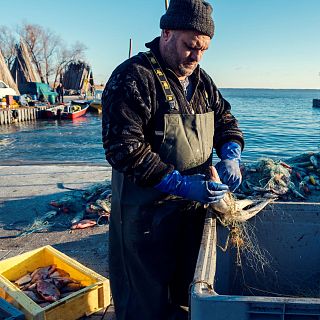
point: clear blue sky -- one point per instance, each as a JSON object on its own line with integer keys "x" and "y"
{"x": 258, "y": 43}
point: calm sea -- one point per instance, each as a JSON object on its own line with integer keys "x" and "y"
{"x": 277, "y": 124}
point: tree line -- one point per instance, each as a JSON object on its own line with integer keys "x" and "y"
{"x": 49, "y": 53}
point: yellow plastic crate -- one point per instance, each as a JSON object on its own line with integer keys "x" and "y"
{"x": 94, "y": 297}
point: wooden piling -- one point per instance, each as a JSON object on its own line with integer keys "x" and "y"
{"x": 8, "y": 116}
{"x": 1, "y": 118}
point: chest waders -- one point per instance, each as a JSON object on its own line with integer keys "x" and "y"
{"x": 154, "y": 244}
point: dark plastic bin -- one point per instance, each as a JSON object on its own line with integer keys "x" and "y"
{"x": 286, "y": 289}
{"x": 9, "y": 312}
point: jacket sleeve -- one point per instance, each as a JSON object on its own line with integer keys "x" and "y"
{"x": 126, "y": 104}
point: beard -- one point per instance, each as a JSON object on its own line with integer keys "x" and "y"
{"x": 181, "y": 67}
{"x": 186, "y": 69}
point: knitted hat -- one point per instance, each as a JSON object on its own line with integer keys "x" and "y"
{"x": 189, "y": 15}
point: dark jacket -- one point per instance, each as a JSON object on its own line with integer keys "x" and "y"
{"x": 133, "y": 104}
{"x": 59, "y": 90}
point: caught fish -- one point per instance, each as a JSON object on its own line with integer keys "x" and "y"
{"x": 312, "y": 180}
{"x": 33, "y": 296}
{"x": 48, "y": 291}
{"x": 59, "y": 273}
{"x": 298, "y": 175}
{"x": 43, "y": 285}
{"x": 23, "y": 280}
{"x": 85, "y": 223}
{"x": 42, "y": 273}
{"x": 60, "y": 282}
{"x": 72, "y": 287}
{"x": 285, "y": 165}
{"x": 232, "y": 210}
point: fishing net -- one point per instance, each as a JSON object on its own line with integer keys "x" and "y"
{"x": 295, "y": 179}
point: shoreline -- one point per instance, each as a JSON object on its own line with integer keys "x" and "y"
{"x": 6, "y": 163}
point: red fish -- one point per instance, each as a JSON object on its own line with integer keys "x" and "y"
{"x": 48, "y": 291}
{"x": 59, "y": 273}
{"x": 60, "y": 282}
{"x": 42, "y": 273}
{"x": 85, "y": 223}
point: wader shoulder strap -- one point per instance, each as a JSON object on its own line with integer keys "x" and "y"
{"x": 170, "y": 98}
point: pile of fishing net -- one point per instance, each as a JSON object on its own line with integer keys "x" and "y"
{"x": 295, "y": 178}
{"x": 88, "y": 207}
{"x": 79, "y": 209}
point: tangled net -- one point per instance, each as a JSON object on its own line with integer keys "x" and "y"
{"x": 296, "y": 178}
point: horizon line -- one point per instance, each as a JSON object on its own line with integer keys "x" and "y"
{"x": 259, "y": 88}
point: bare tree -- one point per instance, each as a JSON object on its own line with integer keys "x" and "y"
{"x": 50, "y": 45}
{"x": 7, "y": 45}
{"x": 49, "y": 54}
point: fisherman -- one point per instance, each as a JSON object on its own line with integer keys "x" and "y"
{"x": 60, "y": 92}
{"x": 163, "y": 117}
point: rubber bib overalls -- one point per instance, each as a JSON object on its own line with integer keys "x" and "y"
{"x": 153, "y": 243}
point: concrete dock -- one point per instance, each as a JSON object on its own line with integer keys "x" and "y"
{"x": 25, "y": 193}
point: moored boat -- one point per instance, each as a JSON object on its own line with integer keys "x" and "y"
{"x": 70, "y": 111}
{"x": 73, "y": 111}
{"x": 95, "y": 106}
{"x": 54, "y": 112}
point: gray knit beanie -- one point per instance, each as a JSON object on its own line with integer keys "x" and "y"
{"x": 189, "y": 15}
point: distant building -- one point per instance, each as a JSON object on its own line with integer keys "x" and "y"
{"x": 78, "y": 77}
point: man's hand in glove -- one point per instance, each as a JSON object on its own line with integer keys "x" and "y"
{"x": 229, "y": 166}
{"x": 193, "y": 187}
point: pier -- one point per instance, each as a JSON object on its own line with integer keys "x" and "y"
{"x": 8, "y": 115}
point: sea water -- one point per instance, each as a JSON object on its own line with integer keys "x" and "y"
{"x": 276, "y": 123}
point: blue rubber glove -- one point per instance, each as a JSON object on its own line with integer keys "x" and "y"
{"x": 229, "y": 166}
{"x": 194, "y": 187}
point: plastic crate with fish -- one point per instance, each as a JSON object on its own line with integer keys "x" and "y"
{"x": 272, "y": 273}
{"x": 92, "y": 296}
